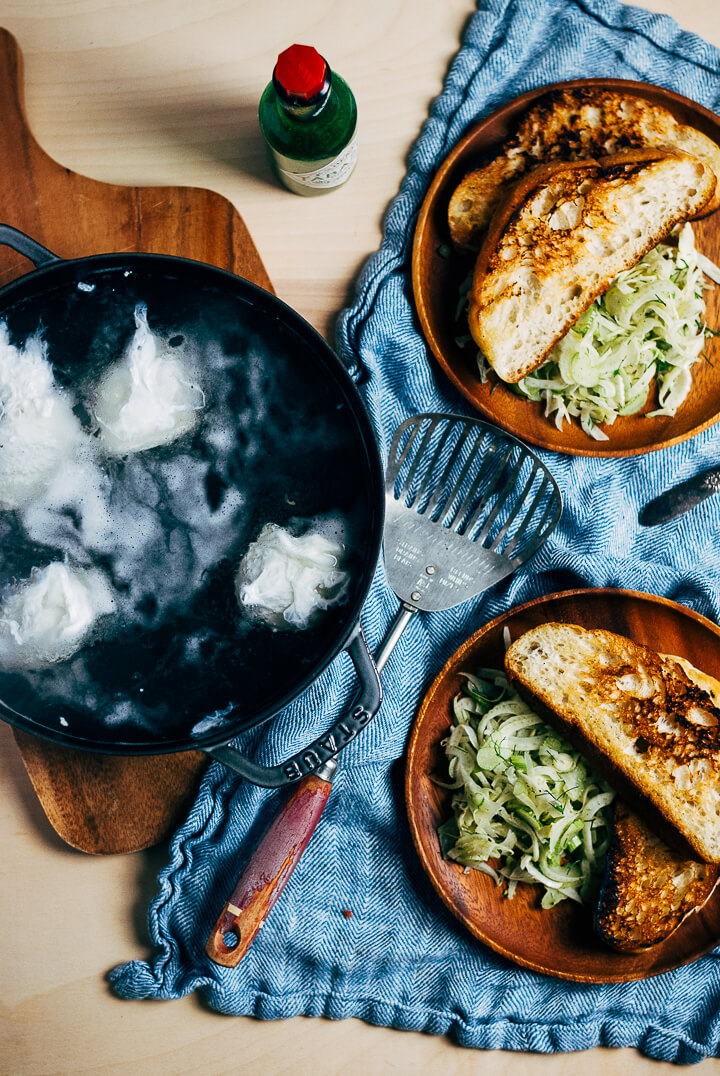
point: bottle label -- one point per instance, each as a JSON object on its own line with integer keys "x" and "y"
{"x": 330, "y": 173}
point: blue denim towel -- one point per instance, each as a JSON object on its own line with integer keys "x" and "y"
{"x": 401, "y": 960}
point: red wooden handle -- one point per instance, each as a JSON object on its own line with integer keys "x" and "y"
{"x": 268, "y": 872}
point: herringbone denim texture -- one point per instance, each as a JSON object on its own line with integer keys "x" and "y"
{"x": 401, "y": 960}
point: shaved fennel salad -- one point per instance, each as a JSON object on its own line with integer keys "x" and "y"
{"x": 522, "y": 797}
{"x": 646, "y": 329}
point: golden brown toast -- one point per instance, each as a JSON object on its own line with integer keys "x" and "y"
{"x": 569, "y": 125}
{"x": 639, "y": 719}
{"x": 560, "y": 240}
{"x": 648, "y": 890}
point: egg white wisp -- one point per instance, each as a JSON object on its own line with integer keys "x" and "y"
{"x": 47, "y": 617}
{"x": 147, "y": 399}
{"x": 38, "y": 430}
{"x": 285, "y": 579}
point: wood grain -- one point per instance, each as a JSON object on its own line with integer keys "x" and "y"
{"x": 111, "y": 804}
{"x": 74, "y": 215}
{"x": 99, "y": 803}
{"x": 436, "y": 281}
{"x": 559, "y": 941}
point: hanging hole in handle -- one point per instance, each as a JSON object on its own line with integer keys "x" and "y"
{"x": 231, "y": 939}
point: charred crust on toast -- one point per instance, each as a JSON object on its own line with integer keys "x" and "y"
{"x": 647, "y": 891}
{"x": 649, "y": 723}
{"x": 563, "y": 234}
{"x": 603, "y": 766}
{"x": 677, "y": 719}
{"x": 568, "y": 125}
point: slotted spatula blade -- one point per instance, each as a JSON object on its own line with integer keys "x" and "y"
{"x": 466, "y": 504}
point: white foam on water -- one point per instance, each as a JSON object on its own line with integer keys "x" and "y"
{"x": 47, "y": 617}
{"x": 38, "y": 430}
{"x": 212, "y": 721}
{"x": 119, "y": 713}
{"x": 149, "y": 398}
{"x": 285, "y": 578}
{"x": 209, "y": 532}
{"x": 81, "y": 514}
{"x": 158, "y": 521}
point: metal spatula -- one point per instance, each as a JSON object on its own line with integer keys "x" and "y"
{"x": 466, "y": 504}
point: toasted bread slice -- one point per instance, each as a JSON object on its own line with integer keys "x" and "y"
{"x": 638, "y": 718}
{"x": 478, "y": 196}
{"x": 648, "y": 890}
{"x": 572, "y": 125}
{"x": 561, "y": 239}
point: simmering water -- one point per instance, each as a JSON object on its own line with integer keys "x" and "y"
{"x": 275, "y": 441}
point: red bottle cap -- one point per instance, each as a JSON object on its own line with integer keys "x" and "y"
{"x": 301, "y": 72}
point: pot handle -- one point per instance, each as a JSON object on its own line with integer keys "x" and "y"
{"x": 326, "y": 746}
{"x": 29, "y": 248}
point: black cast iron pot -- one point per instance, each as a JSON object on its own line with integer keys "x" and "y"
{"x": 283, "y": 436}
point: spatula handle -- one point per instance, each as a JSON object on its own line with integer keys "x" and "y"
{"x": 268, "y": 871}
{"x": 279, "y": 852}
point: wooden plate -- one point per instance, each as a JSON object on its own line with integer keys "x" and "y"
{"x": 436, "y": 280}
{"x": 559, "y": 941}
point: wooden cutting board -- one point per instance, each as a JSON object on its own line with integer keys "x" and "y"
{"x": 102, "y": 803}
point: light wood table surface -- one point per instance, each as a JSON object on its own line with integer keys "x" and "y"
{"x": 166, "y": 92}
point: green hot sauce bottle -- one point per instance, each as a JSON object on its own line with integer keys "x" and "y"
{"x": 308, "y": 118}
